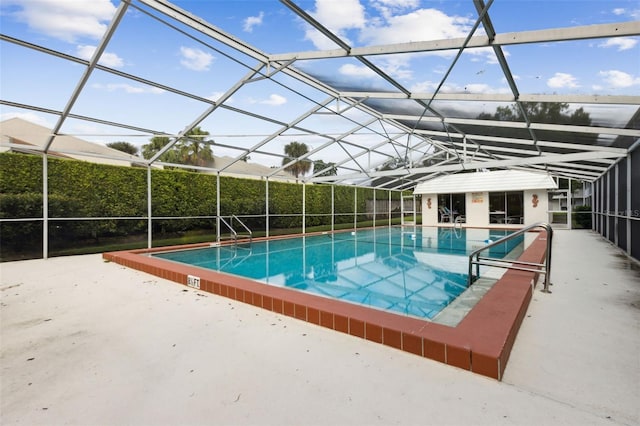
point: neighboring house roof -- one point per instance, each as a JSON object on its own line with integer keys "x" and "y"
{"x": 244, "y": 169}
{"x": 500, "y": 180}
{"x": 18, "y": 133}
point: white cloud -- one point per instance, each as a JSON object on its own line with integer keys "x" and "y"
{"x": 350, "y": 15}
{"x": 399, "y": 21}
{"x": 399, "y": 4}
{"x": 128, "y": 88}
{"x": 252, "y": 21}
{"x": 622, "y": 43}
{"x": 392, "y": 66}
{"x": 108, "y": 59}
{"x": 411, "y": 27}
{"x": 195, "y": 59}
{"x": 275, "y": 100}
{"x": 352, "y": 70}
{"x": 619, "y": 79}
{"x": 111, "y": 60}
{"x": 388, "y": 7}
{"x": 66, "y": 20}
{"x": 479, "y": 88}
{"x": 561, "y": 80}
{"x": 27, "y": 116}
{"x": 424, "y": 87}
{"x": 633, "y": 13}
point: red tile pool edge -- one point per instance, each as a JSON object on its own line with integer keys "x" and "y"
{"x": 481, "y": 342}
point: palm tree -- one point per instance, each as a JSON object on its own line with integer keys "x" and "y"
{"x": 293, "y": 151}
{"x": 195, "y": 149}
{"x": 155, "y": 145}
{"x": 191, "y": 149}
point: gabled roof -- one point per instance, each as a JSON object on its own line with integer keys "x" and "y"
{"x": 246, "y": 169}
{"x": 493, "y": 181}
{"x": 25, "y": 136}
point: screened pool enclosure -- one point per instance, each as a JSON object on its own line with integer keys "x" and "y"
{"x": 297, "y": 116}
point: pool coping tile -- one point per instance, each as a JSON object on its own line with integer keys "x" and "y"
{"x": 481, "y": 342}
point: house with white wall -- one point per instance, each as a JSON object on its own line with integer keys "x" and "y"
{"x": 502, "y": 198}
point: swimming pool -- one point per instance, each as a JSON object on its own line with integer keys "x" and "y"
{"x": 480, "y": 341}
{"x": 414, "y": 271}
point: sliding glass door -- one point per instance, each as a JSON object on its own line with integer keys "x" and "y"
{"x": 506, "y": 207}
{"x": 451, "y": 207}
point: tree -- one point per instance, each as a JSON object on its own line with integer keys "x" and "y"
{"x": 155, "y": 145}
{"x": 194, "y": 149}
{"x": 391, "y": 163}
{"x": 127, "y": 147}
{"x": 540, "y": 112}
{"x": 191, "y": 149}
{"x": 319, "y": 166}
{"x": 293, "y": 151}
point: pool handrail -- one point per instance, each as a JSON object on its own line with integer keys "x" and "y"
{"x": 233, "y": 231}
{"x": 542, "y": 268}
{"x": 243, "y": 225}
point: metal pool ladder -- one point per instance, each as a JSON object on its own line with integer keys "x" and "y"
{"x": 234, "y": 233}
{"x": 542, "y": 268}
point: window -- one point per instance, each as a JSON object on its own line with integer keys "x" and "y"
{"x": 451, "y": 207}
{"x": 506, "y": 207}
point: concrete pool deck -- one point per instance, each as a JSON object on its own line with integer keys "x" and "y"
{"x": 89, "y": 342}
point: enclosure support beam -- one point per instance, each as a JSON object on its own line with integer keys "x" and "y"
{"x": 628, "y": 213}
{"x": 304, "y": 208}
{"x": 120, "y": 12}
{"x": 149, "y": 210}
{"x": 615, "y": 29}
{"x": 569, "y": 206}
{"x": 355, "y": 207}
{"x": 374, "y": 207}
{"x": 218, "y": 207}
{"x": 266, "y": 207}
{"x": 389, "y": 208}
{"x": 595, "y": 206}
{"x": 45, "y": 207}
{"x": 333, "y": 207}
{"x": 607, "y": 188}
{"x": 616, "y": 198}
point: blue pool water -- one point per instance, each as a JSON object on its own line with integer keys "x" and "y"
{"x": 413, "y": 271}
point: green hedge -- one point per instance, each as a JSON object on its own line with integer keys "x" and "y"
{"x": 244, "y": 197}
{"x": 20, "y": 173}
{"x": 89, "y": 190}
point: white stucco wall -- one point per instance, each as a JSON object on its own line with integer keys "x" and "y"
{"x": 477, "y": 209}
{"x": 429, "y": 215}
{"x": 536, "y": 214}
{"x": 477, "y": 206}
{"x": 476, "y": 187}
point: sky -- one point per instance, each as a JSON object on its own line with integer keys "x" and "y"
{"x": 144, "y": 47}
